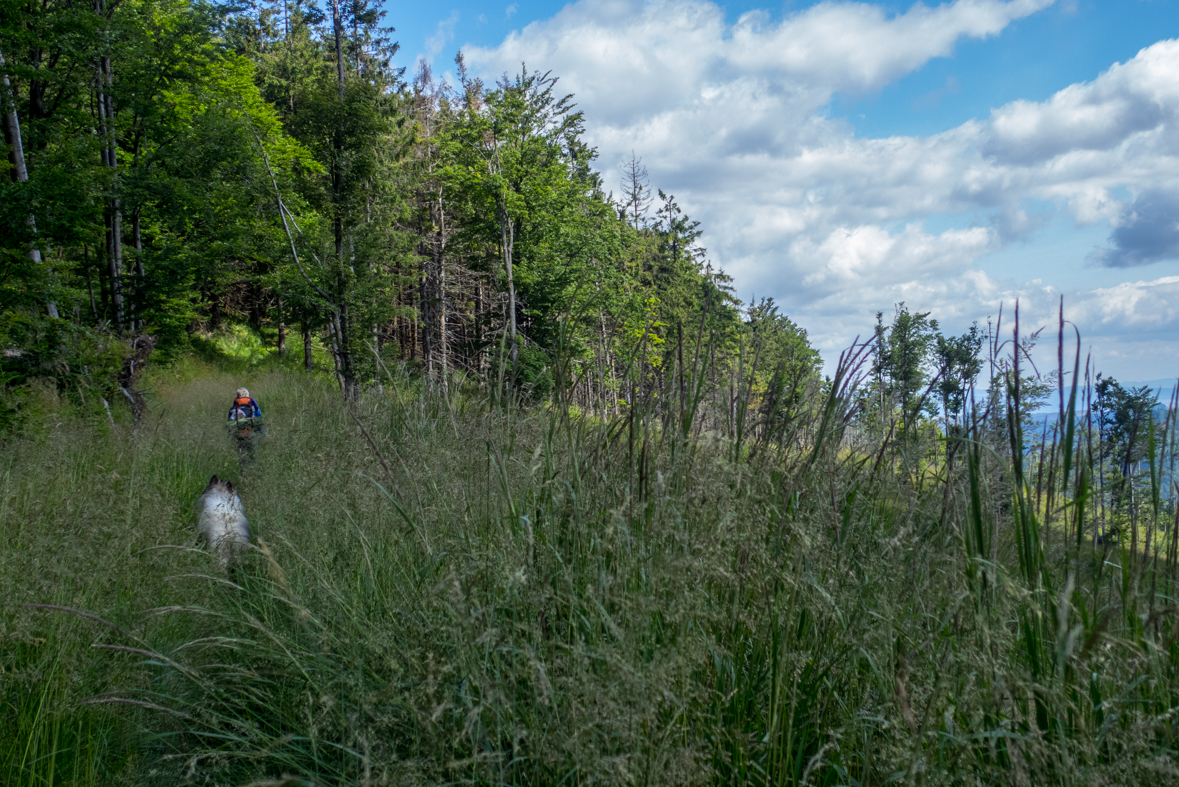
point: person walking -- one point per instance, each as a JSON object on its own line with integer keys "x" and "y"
{"x": 245, "y": 424}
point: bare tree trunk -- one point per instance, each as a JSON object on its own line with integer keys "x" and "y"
{"x": 334, "y": 331}
{"x": 425, "y": 319}
{"x": 481, "y": 357}
{"x": 342, "y": 318}
{"x": 13, "y": 138}
{"x": 440, "y": 266}
{"x": 411, "y": 332}
{"x": 432, "y": 295}
{"x": 340, "y": 291}
{"x": 507, "y": 240}
{"x": 114, "y": 211}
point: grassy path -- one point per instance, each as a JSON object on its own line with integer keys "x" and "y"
{"x": 103, "y": 519}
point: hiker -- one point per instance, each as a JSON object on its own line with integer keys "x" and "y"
{"x": 245, "y": 423}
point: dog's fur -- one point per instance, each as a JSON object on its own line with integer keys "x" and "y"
{"x": 222, "y": 523}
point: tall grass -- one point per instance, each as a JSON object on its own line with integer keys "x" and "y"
{"x": 446, "y": 591}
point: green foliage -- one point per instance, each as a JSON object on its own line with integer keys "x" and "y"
{"x": 240, "y": 344}
{"x": 238, "y": 348}
{"x": 958, "y": 365}
{"x": 785, "y": 358}
{"x": 901, "y": 366}
{"x": 1126, "y": 429}
{"x": 79, "y": 359}
{"x": 534, "y": 373}
{"x": 270, "y": 167}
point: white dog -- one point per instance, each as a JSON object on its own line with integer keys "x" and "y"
{"x": 222, "y": 523}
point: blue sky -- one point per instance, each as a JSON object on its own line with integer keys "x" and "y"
{"x": 843, "y": 156}
{"x": 1032, "y": 59}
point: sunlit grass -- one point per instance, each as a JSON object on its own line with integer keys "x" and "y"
{"x": 235, "y": 346}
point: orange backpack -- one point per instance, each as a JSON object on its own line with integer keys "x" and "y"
{"x": 244, "y": 410}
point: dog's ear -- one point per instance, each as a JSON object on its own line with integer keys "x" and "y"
{"x": 212, "y": 482}
{"x": 229, "y": 487}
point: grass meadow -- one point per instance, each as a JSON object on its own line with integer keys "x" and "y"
{"x": 449, "y": 591}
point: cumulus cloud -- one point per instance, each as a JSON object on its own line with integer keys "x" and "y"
{"x": 857, "y": 47}
{"x": 1147, "y": 232}
{"x": 735, "y": 120}
{"x": 1140, "y": 305}
{"x": 1139, "y": 96}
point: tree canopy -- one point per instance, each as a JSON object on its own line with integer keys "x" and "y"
{"x": 185, "y": 165}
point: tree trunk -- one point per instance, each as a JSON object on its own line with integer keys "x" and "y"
{"x": 342, "y": 319}
{"x": 20, "y": 171}
{"x": 411, "y": 331}
{"x": 114, "y": 209}
{"x": 440, "y": 267}
{"x": 344, "y": 322}
{"x": 426, "y": 320}
{"x": 481, "y": 361}
{"x": 337, "y": 24}
{"x": 603, "y": 388}
{"x": 334, "y": 332}
{"x": 282, "y": 331}
{"x": 308, "y": 362}
{"x": 140, "y": 273}
{"x": 507, "y": 241}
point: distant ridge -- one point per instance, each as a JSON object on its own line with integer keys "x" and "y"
{"x": 1047, "y": 413}
{"x": 1163, "y": 387}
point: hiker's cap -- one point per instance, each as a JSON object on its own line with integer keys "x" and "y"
{"x": 243, "y": 393}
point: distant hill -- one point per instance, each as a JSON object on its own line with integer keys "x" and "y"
{"x": 1163, "y": 387}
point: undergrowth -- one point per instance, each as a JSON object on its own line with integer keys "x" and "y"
{"x": 449, "y": 591}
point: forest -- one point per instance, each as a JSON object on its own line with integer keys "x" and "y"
{"x": 542, "y": 500}
{"x": 180, "y": 166}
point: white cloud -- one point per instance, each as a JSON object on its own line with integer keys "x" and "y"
{"x": 734, "y": 120}
{"x": 1138, "y": 96}
{"x": 870, "y": 255}
{"x": 442, "y": 34}
{"x": 1135, "y": 306}
{"x": 855, "y": 46}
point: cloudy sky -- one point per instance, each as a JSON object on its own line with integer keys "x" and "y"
{"x": 843, "y": 156}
